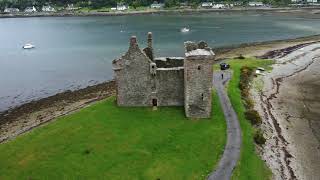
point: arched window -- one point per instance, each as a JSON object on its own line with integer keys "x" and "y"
{"x": 199, "y": 67}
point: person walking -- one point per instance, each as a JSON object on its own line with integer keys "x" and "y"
{"x": 221, "y": 75}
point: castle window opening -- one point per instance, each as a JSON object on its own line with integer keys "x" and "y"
{"x": 199, "y": 67}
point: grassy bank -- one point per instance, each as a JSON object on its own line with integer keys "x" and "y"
{"x": 108, "y": 142}
{"x": 250, "y": 165}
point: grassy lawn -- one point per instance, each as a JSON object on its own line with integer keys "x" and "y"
{"x": 250, "y": 165}
{"x": 104, "y": 141}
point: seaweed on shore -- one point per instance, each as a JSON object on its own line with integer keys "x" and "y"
{"x": 97, "y": 92}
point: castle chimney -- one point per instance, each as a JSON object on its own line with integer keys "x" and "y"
{"x": 149, "y": 50}
{"x": 150, "y": 40}
{"x": 133, "y": 41}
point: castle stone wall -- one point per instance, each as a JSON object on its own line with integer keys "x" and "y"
{"x": 169, "y": 62}
{"x": 198, "y": 89}
{"x": 170, "y": 86}
{"x": 133, "y": 77}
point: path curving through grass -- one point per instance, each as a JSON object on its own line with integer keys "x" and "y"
{"x": 232, "y": 149}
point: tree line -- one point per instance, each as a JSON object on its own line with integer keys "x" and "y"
{"x": 22, "y": 4}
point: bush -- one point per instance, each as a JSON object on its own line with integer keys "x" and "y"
{"x": 87, "y": 151}
{"x": 245, "y": 94}
{"x": 248, "y": 103}
{"x": 253, "y": 116}
{"x": 259, "y": 138}
{"x": 241, "y": 57}
{"x": 245, "y": 75}
{"x": 250, "y": 114}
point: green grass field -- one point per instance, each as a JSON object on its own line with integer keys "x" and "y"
{"x": 250, "y": 166}
{"x": 104, "y": 141}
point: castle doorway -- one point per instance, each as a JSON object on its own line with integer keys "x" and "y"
{"x": 154, "y": 102}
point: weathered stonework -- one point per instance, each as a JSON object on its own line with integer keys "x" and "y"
{"x": 143, "y": 80}
{"x": 198, "y": 81}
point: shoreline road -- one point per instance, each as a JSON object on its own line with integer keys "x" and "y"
{"x": 231, "y": 152}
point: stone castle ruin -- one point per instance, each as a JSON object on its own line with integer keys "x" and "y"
{"x": 143, "y": 80}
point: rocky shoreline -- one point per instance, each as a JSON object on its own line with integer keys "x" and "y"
{"x": 266, "y": 49}
{"x": 23, "y": 118}
{"x": 288, "y": 103}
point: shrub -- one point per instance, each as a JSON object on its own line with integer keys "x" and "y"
{"x": 87, "y": 151}
{"x": 241, "y": 57}
{"x": 259, "y": 138}
{"x": 242, "y": 86}
{"x": 245, "y": 75}
{"x": 253, "y": 116}
{"x": 244, "y": 93}
{"x": 249, "y": 104}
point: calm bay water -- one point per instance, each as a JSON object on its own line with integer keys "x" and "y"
{"x": 74, "y": 52}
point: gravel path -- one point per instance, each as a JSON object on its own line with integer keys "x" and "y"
{"x": 232, "y": 149}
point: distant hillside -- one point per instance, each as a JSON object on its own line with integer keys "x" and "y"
{"x": 22, "y": 4}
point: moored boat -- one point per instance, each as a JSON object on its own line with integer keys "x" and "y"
{"x": 28, "y": 46}
{"x": 184, "y": 30}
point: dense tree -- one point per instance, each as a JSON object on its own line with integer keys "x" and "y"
{"x": 21, "y": 4}
{"x": 171, "y": 3}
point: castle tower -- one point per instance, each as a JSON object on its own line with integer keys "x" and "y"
{"x": 198, "y": 80}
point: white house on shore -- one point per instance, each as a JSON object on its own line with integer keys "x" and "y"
{"x": 156, "y": 5}
{"x": 71, "y": 7}
{"x": 122, "y": 7}
{"x": 312, "y": 1}
{"x": 256, "y": 4}
{"x": 219, "y": 6}
{"x": 11, "y": 10}
{"x": 206, "y": 5}
{"x": 48, "y": 9}
{"x": 30, "y": 9}
{"x": 303, "y": 1}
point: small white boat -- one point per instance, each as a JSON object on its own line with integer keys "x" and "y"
{"x": 184, "y": 30}
{"x": 28, "y": 46}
